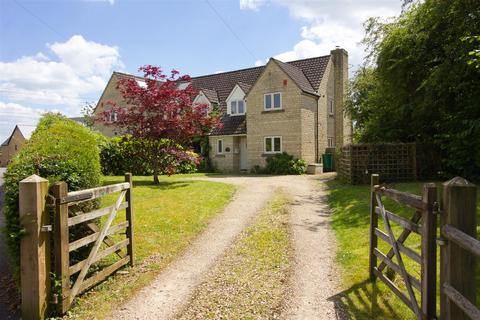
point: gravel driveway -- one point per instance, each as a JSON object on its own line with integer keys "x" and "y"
{"x": 314, "y": 278}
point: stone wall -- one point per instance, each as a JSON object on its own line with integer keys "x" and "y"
{"x": 285, "y": 122}
{"x": 7, "y": 152}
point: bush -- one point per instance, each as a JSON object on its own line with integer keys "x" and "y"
{"x": 121, "y": 154}
{"x": 283, "y": 163}
{"x": 59, "y": 150}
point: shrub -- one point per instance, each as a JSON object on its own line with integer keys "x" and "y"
{"x": 121, "y": 154}
{"x": 59, "y": 150}
{"x": 283, "y": 163}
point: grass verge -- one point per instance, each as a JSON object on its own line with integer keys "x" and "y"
{"x": 364, "y": 300}
{"x": 250, "y": 282}
{"x": 167, "y": 218}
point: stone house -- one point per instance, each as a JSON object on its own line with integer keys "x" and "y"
{"x": 295, "y": 107}
{"x": 10, "y": 147}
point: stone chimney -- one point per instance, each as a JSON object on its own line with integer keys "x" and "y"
{"x": 343, "y": 122}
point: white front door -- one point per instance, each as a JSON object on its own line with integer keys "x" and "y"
{"x": 243, "y": 153}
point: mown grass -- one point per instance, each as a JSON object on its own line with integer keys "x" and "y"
{"x": 364, "y": 300}
{"x": 167, "y": 218}
{"x": 250, "y": 282}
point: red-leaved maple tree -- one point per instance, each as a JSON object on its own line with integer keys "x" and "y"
{"x": 159, "y": 115}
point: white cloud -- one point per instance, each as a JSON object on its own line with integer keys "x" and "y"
{"x": 330, "y": 24}
{"x": 219, "y": 71}
{"x": 12, "y": 114}
{"x": 259, "y": 63}
{"x": 251, "y": 4}
{"x": 76, "y": 71}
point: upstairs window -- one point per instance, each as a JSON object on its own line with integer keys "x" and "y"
{"x": 272, "y": 101}
{"x": 237, "y": 107}
{"x": 331, "y": 107}
{"x": 113, "y": 116}
{"x": 273, "y": 144}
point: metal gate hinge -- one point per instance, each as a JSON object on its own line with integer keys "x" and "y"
{"x": 46, "y": 228}
{"x": 442, "y": 241}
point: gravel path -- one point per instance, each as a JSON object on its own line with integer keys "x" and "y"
{"x": 173, "y": 287}
{"x": 314, "y": 278}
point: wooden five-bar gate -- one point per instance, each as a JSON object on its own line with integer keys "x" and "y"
{"x": 457, "y": 241}
{"x": 101, "y": 238}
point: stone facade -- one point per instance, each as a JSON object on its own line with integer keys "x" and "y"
{"x": 311, "y": 118}
{"x": 111, "y": 93}
{"x": 11, "y": 147}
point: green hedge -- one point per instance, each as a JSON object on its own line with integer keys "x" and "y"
{"x": 59, "y": 150}
{"x": 120, "y": 154}
{"x": 282, "y": 163}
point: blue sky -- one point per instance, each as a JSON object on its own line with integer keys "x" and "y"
{"x": 55, "y": 55}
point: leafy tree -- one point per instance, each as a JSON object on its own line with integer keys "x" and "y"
{"x": 418, "y": 84}
{"x": 161, "y": 118}
{"x": 88, "y": 116}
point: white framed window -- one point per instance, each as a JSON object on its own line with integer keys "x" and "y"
{"x": 220, "y": 146}
{"x": 331, "y": 107}
{"x": 113, "y": 116}
{"x": 330, "y": 142}
{"x": 237, "y": 107}
{"x": 272, "y": 101}
{"x": 273, "y": 144}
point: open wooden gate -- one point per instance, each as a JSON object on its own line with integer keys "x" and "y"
{"x": 426, "y": 209}
{"x": 67, "y": 214}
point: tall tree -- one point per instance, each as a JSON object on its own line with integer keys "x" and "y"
{"x": 159, "y": 115}
{"x": 424, "y": 88}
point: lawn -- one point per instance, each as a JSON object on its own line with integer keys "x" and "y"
{"x": 167, "y": 218}
{"x": 364, "y": 300}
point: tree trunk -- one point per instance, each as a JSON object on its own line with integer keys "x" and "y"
{"x": 155, "y": 177}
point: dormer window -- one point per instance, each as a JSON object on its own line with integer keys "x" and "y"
{"x": 237, "y": 107}
{"x": 236, "y": 104}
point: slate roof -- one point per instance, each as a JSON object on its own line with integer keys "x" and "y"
{"x": 297, "y": 76}
{"x": 245, "y": 87}
{"x": 306, "y": 73}
{"x": 211, "y": 95}
{"x": 231, "y": 125}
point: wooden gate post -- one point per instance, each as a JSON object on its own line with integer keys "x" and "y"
{"x": 429, "y": 251}
{"x": 374, "y": 180}
{"x": 129, "y": 210}
{"x": 61, "y": 241}
{"x": 457, "y": 266}
{"x": 34, "y": 248}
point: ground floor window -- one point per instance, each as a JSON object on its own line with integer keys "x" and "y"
{"x": 273, "y": 144}
{"x": 220, "y": 146}
{"x": 330, "y": 142}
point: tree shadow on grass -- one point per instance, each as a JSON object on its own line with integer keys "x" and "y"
{"x": 363, "y": 301}
{"x": 163, "y": 185}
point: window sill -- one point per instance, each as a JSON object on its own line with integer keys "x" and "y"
{"x": 273, "y": 111}
{"x": 219, "y": 156}
{"x": 270, "y": 154}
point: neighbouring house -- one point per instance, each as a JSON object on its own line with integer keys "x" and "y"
{"x": 14, "y": 143}
{"x": 295, "y": 107}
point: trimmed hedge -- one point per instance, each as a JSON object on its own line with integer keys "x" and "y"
{"x": 59, "y": 150}
{"x": 282, "y": 163}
